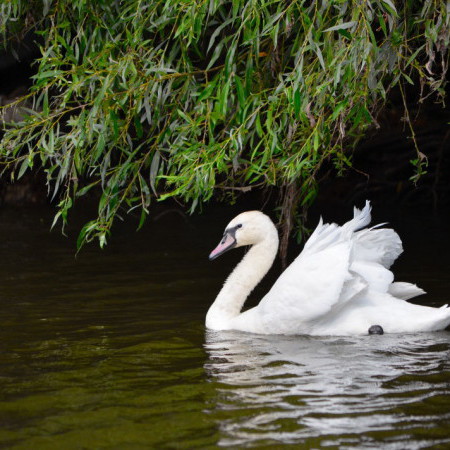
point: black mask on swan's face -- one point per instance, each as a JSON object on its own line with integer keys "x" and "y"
{"x": 227, "y": 243}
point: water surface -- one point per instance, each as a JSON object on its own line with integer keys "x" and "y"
{"x": 108, "y": 350}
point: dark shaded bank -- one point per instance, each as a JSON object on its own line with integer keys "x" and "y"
{"x": 382, "y": 169}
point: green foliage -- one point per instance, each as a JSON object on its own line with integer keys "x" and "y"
{"x": 151, "y": 100}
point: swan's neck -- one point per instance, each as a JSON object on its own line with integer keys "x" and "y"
{"x": 246, "y": 275}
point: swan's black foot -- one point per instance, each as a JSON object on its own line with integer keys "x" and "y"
{"x": 376, "y": 329}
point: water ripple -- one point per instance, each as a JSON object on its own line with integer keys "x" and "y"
{"x": 297, "y": 389}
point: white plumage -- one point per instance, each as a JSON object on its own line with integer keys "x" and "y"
{"x": 340, "y": 284}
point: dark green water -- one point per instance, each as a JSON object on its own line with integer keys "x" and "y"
{"x": 108, "y": 350}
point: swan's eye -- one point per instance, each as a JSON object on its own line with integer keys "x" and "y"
{"x": 239, "y": 225}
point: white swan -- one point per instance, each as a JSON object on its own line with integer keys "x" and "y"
{"x": 340, "y": 284}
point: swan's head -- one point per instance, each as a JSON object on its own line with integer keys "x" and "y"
{"x": 248, "y": 228}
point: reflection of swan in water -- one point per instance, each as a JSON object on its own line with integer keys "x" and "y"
{"x": 288, "y": 389}
{"x": 339, "y": 285}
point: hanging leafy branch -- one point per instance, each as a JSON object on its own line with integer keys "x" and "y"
{"x": 151, "y": 100}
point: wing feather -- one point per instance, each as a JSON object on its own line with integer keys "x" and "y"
{"x": 318, "y": 280}
{"x": 307, "y": 290}
{"x": 337, "y": 266}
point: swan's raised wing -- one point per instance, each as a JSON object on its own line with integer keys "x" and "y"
{"x": 374, "y": 251}
{"x": 317, "y": 282}
{"x": 307, "y": 290}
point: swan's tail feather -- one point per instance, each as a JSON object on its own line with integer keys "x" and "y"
{"x": 405, "y": 291}
{"x": 444, "y": 321}
{"x": 361, "y": 218}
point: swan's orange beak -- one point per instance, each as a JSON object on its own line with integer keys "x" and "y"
{"x": 227, "y": 243}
